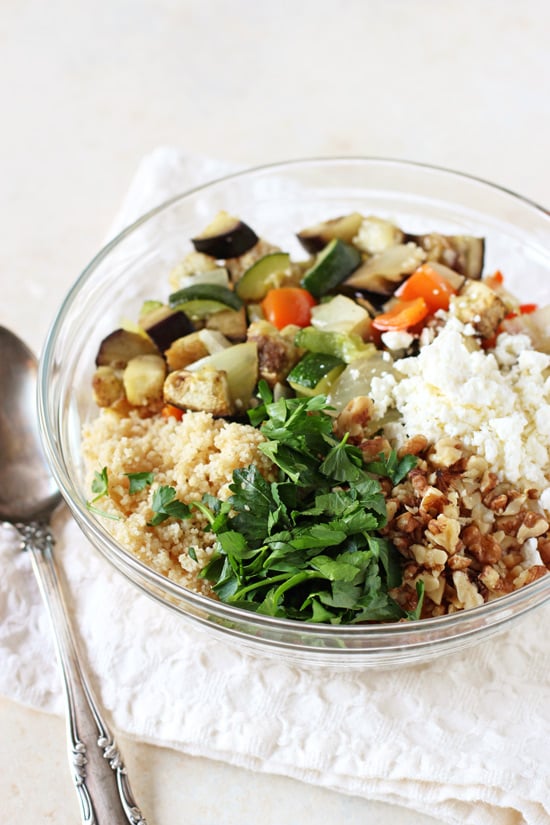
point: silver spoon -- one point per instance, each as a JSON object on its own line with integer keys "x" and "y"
{"x": 28, "y": 496}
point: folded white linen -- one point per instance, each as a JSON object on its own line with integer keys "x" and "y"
{"x": 465, "y": 738}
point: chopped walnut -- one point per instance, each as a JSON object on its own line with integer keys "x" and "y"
{"x": 429, "y": 556}
{"x": 543, "y": 546}
{"x": 354, "y": 418}
{"x": 530, "y": 575}
{"x": 467, "y": 593}
{"x": 444, "y": 532}
{"x": 446, "y": 453}
{"x": 372, "y": 447}
{"x": 460, "y": 529}
{"x": 414, "y": 446}
{"x": 533, "y": 526}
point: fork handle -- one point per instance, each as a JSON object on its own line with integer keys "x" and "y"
{"x": 99, "y": 775}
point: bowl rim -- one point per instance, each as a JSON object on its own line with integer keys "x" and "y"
{"x": 397, "y": 630}
{"x": 273, "y": 167}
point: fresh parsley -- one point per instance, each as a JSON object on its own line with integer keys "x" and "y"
{"x": 165, "y": 505}
{"x": 100, "y": 485}
{"x": 391, "y": 466}
{"x": 139, "y": 481}
{"x": 307, "y": 546}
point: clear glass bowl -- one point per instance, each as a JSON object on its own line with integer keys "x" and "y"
{"x": 277, "y": 200}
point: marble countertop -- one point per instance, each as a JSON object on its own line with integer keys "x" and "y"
{"x": 88, "y": 89}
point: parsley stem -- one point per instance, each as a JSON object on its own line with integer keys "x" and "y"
{"x": 298, "y": 578}
{"x": 262, "y": 583}
{"x": 206, "y": 511}
{"x": 98, "y": 512}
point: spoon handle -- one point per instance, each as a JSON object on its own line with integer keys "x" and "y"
{"x": 99, "y": 775}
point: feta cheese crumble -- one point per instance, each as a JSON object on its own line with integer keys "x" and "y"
{"x": 497, "y": 404}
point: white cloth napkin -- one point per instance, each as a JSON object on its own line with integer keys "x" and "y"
{"x": 465, "y": 738}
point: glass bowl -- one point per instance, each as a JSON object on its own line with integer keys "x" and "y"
{"x": 277, "y": 200}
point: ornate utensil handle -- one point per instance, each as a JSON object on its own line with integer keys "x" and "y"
{"x": 99, "y": 775}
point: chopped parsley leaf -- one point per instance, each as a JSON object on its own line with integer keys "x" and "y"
{"x": 139, "y": 481}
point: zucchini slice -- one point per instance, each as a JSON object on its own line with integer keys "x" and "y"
{"x": 334, "y": 264}
{"x": 345, "y": 346}
{"x": 267, "y": 272}
{"x": 201, "y": 300}
{"x": 315, "y": 373}
{"x": 226, "y": 237}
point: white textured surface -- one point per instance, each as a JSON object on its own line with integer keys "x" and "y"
{"x": 483, "y": 712}
{"x": 87, "y": 90}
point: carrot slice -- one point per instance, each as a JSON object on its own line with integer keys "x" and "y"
{"x": 288, "y": 305}
{"x": 427, "y": 283}
{"x": 402, "y": 315}
{"x": 170, "y": 411}
{"x": 495, "y": 280}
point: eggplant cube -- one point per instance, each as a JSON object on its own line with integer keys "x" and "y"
{"x": 121, "y": 346}
{"x": 226, "y": 237}
{"x": 166, "y": 325}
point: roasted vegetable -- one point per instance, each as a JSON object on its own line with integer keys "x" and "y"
{"x": 462, "y": 253}
{"x": 345, "y": 346}
{"x": 478, "y": 305}
{"x": 229, "y": 322}
{"x": 107, "y": 386}
{"x": 356, "y": 379}
{"x": 385, "y": 271}
{"x": 193, "y": 347}
{"x": 341, "y": 314}
{"x": 288, "y": 305}
{"x": 240, "y": 364}
{"x": 143, "y": 379}
{"x": 264, "y": 274}
{"x": 333, "y": 265}
{"x": 377, "y": 234}
{"x": 165, "y": 325}
{"x": 277, "y": 352}
{"x": 206, "y": 389}
{"x": 120, "y": 346}
{"x": 401, "y": 315}
{"x": 315, "y": 373}
{"x": 225, "y": 237}
{"x": 314, "y": 238}
{"x": 210, "y": 293}
{"x": 429, "y": 283}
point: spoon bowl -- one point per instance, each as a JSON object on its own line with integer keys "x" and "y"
{"x": 28, "y": 497}
{"x": 27, "y": 490}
